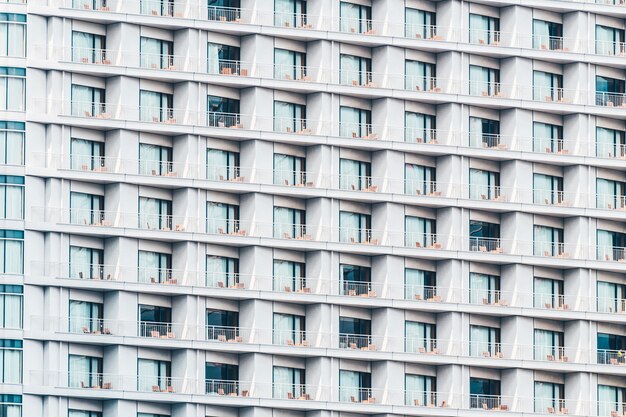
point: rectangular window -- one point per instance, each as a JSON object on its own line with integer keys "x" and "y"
{"x": 86, "y": 263}
{"x": 549, "y": 398}
{"x": 610, "y": 400}
{"x": 419, "y": 24}
{"x": 154, "y": 267}
{"x": 156, "y": 107}
{"x": 289, "y": 117}
{"x": 289, "y": 329}
{"x": 85, "y": 371}
{"x": 223, "y": 112}
{"x": 611, "y": 246}
{"x": 355, "y": 18}
{"x": 86, "y": 317}
{"x": 611, "y": 297}
{"x": 290, "y": 65}
{"x": 354, "y": 227}
{"x": 610, "y": 194}
{"x": 87, "y": 209}
{"x": 222, "y": 379}
{"x": 11, "y": 251}
{"x": 155, "y": 159}
{"x": 420, "y": 180}
{"x": 547, "y": 86}
{"x": 485, "y": 393}
{"x": 89, "y": 48}
{"x": 484, "y": 289}
{"x": 484, "y": 236}
{"x": 547, "y": 189}
{"x": 290, "y": 13}
{"x": 157, "y": 7}
{"x": 223, "y": 59}
{"x": 289, "y": 170}
{"x": 484, "y": 133}
{"x": 224, "y": 10}
{"x": 222, "y": 165}
{"x": 420, "y": 337}
{"x": 354, "y": 386}
{"x": 87, "y": 155}
{"x": 10, "y": 361}
{"x": 11, "y": 306}
{"x": 81, "y": 413}
{"x": 548, "y": 293}
{"x": 355, "y": 70}
{"x": 484, "y": 185}
{"x": 485, "y": 342}
{"x": 289, "y": 223}
{"x": 421, "y": 390}
{"x": 611, "y": 349}
{"x": 155, "y": 321}
{"x": 223, "y": 326}
{"x": 420, "y": 232}
{"x": 222, "y": 272}
{"x": 420, "y": 285}
{"x": 355, "y": 333}
{"x": 609, "y": 41}
{"x": 609, "y": 91}
{"x": 13, "y": 35}
{"x": 548, "y": 345}
{"x": 156, "y": 53}
{"x": 484, "y": 30}
{"x": 547, "y": 138}
{"x": 12, "y": 136}
{"x": 547, "y": 35}
{"x": 11, "y": 197}
{"x": 420, "y": 76}
{"x": 12, "y": 89}
{"x": 419, "y": 128}
{"x": 610, "y": 143}
{"x": 354, "y": 175}
{"x": 548, "y": 241}
{"x": 354, "y": 280}
{"x": 223, "y": 218}
{"x": 10, "y": 405}
{"x": 355, "y": 123}
{"x": 290, "y": 276}
{"x": 484, "y": 81}
{"x": 88, "y": 101}
{"x": 289, "y": 383}
{"x": 155, "y": 213}
{"x": 154, "y": 376}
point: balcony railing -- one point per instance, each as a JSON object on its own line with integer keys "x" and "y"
{"x": 551, "y": 94}
{"x": 611, "y": 253}
{"x": 422, "y": 293}
{"x": 491, "y": 402}
{"x": 358, "y": 289}
{"x": 485, "y": 244}
{"x": 552, "y": 198}
{"x": 611, "y": 201}
{"x": 229, "y": 67}
{"x": 425, "y": 346}
{"x": 550, "y": 301}
{"x": 610, "y": 99}
{"x": 484, "y": 37}
{"x": 359, "y": 395}
{"x": 489, "y": 297}
{"x": 358, "y": 341}
{"x": 611, "y": 357}
{"x": 611, "y": 305}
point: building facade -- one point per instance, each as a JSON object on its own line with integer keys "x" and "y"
{"x": 322, "y": 208}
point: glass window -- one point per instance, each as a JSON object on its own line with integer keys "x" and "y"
{"x": 10, "y": 405}
{"x": 549, "y": 397}
{"x": 221, "y": 378}
{"x": 420, "y": 285}
{"x": 355, "y": 70}
{"x": 355, "y": 18}
{"x": 548, "y": 345}
{"x": 223, "y": 218}
{"x": 86, "y": 263}
{"x": 609, "y": 91}
{"x": 86, "y": 209}
{"x": 354, "y": 280}
{"x": 155, "y": 106}
{"x": 84, "y": 371}
{"x": 222, "y": 272}
{"x": 611, "y": 297}
{"x": 547, "y": 138}
{"x": 419, "y": 180}
{"x": 289, "y": 65}
{"x": 354, "y": 175}
{"x": 154, "y": 376}
{"x": 355, "y": 386}
{"x": 155, "y": 321}
{"x": 547, "y": 86}
{"x": 289, "y": 383}
{"x": 81, "y": 413}
{"x": 10, "y": 361}
{"x": 11, "y": 306}
{"x": 610, "y": 194}
{"x": 88, "y": 48}
{"x": 289, "y": 329}
{"x": 86, "y": 317}
{"x": 485, "y": 341}
{"x": 419, "y": 24}
{"x": 548, "y": 241}
{"x": 223, "y": 112}
{"x": 419, "y": 128}
{"x": 289, "y": 276}
{"x": 157, "y": 7}
{"x": 223, "y": 326}
{"x": 548, "y": 293}
{"x": 611, "y": 245}
{"x": 420, "y": 390}
{"x": 11, "y": 251}
{"x": 223, "y": 59}
{"x": 11, "y": 197}
{"x": 154, "y": 267}
{"x": 484, "y": 30}
{"x": 610, "y": 143}
{"x": 289, "y": 117}
{"x": 419, "y": 232}
{"x": 155, "y": 159}
{"x": 354, "y": 123}
{"x": 484, "y": 236}
{"x": 611, "y": 349}
{"x": 290, "y": 13}
{"x": 420, "y": 337}
{"x": 12, "y": 89}
{"x": 484, "y": 133}
{"x": 88, "y": 101}
{"x": 12, "y": 143}
{"x": 547, "y": 189}
{"x": 484, "y": 185}
{"x": 484, "y": 81}
{"x": 224, "y": 10}
{"x": 87, "y": 155}
{"x": 222, "y": 165}
{"x": 354, "y": 227}
{"x": 610, "y": 400}
{"x": 355, "y": 333}
{"x": 547, "y": 35}
{"x": 420, "y": 76}
{"x": 289, "y": 223}
{"x": 609, "y": 41}
{"x": 13, "y": 35}
{"x": 484, "y": 289}
{"x": 155, "y": 213}
{"x": 289, "y": 170}
{"x": 156, "y": 53}
{"x": 484, "y": 393}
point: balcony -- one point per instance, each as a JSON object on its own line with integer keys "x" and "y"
{"x": 611, "y": 357}
{"x": 422, "y": 293}
{"x": 360, "y": 236}
{"x": 490, "y": 89}
{"x": 359, "y": 395}
{"x": 610, "y": 48}
{"x": 297, "y": 338}
{"x": 493, "y": 350}
{"x": 359, "y": 289}
{"x": 608, "y": 99}
{"x": 301, "y": 392}
{"x": 425, "y": 399}
{"x": 553, "y": 94}
{"x": 160, "y": 330}
{"x": 423, "y": 240}
{"x": 489, "y": 297}
{"x": 484, "y": 37}
{"x": 230, "y": 68}
{"x": 359, "y": 342}
{"x": 553, "y": 198}
{"x": 611, "y": 253}
{"x": 492, "y": 402}
{"x": 359, "y": 130}
{"x": 551, "y": 301}
{"x": 489, "y": 192}
{"x": 552, "y": 249}
{"x": 486, "y": 245}
{"x": 610, "y": 305}
{"x": 228, "y": 388}
{"x": 357, "y": 78}
{"x": 427, "y": 346}
{"x": 611, "y": 201}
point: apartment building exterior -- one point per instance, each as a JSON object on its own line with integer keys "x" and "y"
{"x": 316, "y": 208}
